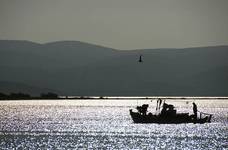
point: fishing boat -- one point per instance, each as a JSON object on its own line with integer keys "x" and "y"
{"x": 168, "y": 115}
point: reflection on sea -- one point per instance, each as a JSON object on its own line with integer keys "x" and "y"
{"x": 106, "y": 124}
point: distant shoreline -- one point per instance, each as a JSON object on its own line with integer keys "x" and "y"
{"x": 120, "y": 98}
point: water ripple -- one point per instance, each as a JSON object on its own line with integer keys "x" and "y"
{"x": 107, "y": 127}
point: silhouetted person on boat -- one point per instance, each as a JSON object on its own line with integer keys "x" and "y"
{"x": 164, "y": 108}
{"x": 194, "y": 110}
{"x": 168, "y": 109}
{"x": 142, "y": 109}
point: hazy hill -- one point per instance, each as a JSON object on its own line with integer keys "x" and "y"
{"x": 14, "y": 87}
{"x": 78, "y": 68}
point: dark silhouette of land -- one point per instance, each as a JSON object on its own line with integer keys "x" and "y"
{"x": 77, "y": 68}
{"x": 23, "y": 96}
{"x": 17, "y": 87}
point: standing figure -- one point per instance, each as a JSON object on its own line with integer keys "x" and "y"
{"x": 195, "y": 111}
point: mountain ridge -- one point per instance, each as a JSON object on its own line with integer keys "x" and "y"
{"x": 82, "y": 42}
{"x": 79, "y": 68}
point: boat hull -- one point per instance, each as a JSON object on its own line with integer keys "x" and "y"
{"x": 166, "y": 119}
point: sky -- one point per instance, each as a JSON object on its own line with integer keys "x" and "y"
{"x": 120, "y": 24}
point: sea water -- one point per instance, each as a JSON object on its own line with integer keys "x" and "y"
{"x": 106, "y": 124}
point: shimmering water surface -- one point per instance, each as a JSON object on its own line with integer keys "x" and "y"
{"x": 106, "y": 124}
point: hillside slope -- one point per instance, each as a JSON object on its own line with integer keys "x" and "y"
{"x": 77, "y": 68}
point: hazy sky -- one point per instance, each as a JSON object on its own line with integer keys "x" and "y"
{"x": 121, "y": 24}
